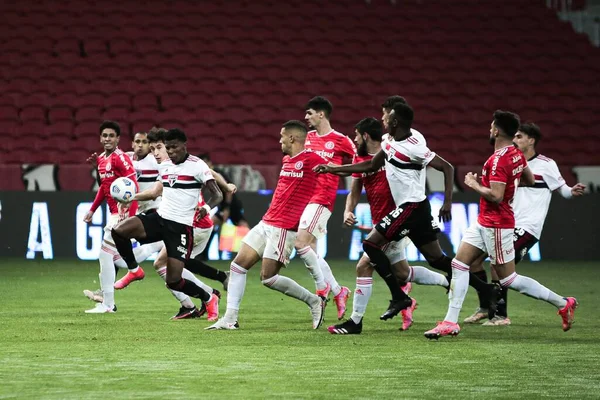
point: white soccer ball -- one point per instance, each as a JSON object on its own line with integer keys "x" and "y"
{"x": 122, "y": 189}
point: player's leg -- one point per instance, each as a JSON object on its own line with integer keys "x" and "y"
{"x": 195, "y": 265}
{"x": 306, "y": 246}
{"x": 503, "y": 259}
{"x": 482, "y": 311}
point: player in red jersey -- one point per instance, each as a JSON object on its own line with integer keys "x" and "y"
{"x": 273, "y": 238}
{"x": 333, "y": 147}
{"x": 494, "y": 229}
{"x": 369, "y": 134}
{"x": 113, "y": 163}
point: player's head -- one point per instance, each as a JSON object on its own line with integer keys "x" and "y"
{"x": 387, "y": 107}
{"x": 527, "y": 137}
{"x": 368, "y": 129}
{"x": 206, "y": 158}
{"x": 141, "y": 146}
{"x": 505, "y": 124}
{"x": 110, "y": 133}
{"x": 293, "y": 136}
{"x": 176, "y": 144}
{"x": 317, "y": 109}
{"x": 156, "y": 143}
{"x": 400, "y": 119}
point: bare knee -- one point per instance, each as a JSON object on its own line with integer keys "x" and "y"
{"x": 364, "y": 268}
{"x": 304, "y": 239}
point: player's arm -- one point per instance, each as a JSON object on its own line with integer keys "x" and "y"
{"x": 567, "y": 192}
{"x": 352, "y": 201}
{"x": 494, "y": 194}
{"x": 555, "y": 181}
{"x": 150, "y": 194}
{"x": 97, "y": 201}
{"x": 366, "y": 166}
{"x": 212, "y": 196}
{"x": 447, "y": 169}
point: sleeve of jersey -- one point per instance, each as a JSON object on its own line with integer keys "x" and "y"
{"x": 203, "y": 173}
{"x": 423, "y": 155}
{"x": 553, "y": 177}
{"x": 125, "y": 167}
{"x": 98, "y": 199}
{"x": 348, "y": 147}
{"x": 502, "y": 173}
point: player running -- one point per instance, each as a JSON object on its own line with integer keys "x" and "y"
{"x": 333, "y": 147}
{"x": 530, "y": 207}
{"x": 273, "y": 238}
{"x": 494, "y": 229}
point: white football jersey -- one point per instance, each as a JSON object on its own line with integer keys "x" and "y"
{"x": 531, "y": 203}
{"x": 405, "y": 168}
{"x": 182, "y": 184}
{"x": 147, "y": 174}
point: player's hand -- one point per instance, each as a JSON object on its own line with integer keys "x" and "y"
{"x": 445, "y": 214}
{"x": 471, "y": 180}
{"x": 350, "y": 219}
{"x": 201, "y": 212}
{"x": 322, "y": 169}
{"x": 88, "y": 217}
{"x": 93, "y": 159}
{"x": 232, "y": 188}
{"x": 578, "y": 189}
{"x": 123, "y": 209}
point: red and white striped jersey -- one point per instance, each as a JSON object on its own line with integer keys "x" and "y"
{"x": 405, "y": 166}
{"x": 532, "y": 202}
{"x": 147, "y": 175}
{"x": 333, "y": 147}
{"x": 116, "y": 165}
{"x": 182, "y": 184}
{"x": 378, "y": 191}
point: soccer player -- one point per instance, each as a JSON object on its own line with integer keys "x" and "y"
{"x": 182, "y": 180}
{"x": 113, "y": 163}
{"x": 530, "y": 207}
{"x": 368, "y": 138}
{"x": 493, "y": 231}
{"x": 273, "y": 238}
{"x": 333, "y": 147}
{"x": 405, "y": 154}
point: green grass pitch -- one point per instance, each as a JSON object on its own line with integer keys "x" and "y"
{"x": 50, "y": 349}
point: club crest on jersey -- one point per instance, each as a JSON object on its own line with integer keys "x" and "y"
{"x": 329, "y": 145}
{"x": 172, "y": 179}
{"x": 299, "y": 165}
{"x": 108, "y": 166}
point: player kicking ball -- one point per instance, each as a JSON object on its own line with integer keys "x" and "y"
{"x": 272, "y": 240}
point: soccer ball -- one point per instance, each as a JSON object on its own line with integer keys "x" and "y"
{"x": 122, "y": 189}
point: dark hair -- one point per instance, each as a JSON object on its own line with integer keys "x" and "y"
{"x": 295, "y": 124}
{"x": 372, "y": 127}
{"x": 204, "y": 156}
{"x": 156, "y": 135}
{"x": 320, "y": 103}
{"x": 392, "y": 100}
{"x": 404, "y": 114}
{"x": 507, "y": 122}
{"x": 175, "y": 134}
{"x": 531, "y": 130}
{"x": 110, "y": 125}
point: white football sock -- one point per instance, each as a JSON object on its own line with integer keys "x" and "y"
{"x": 186, "y": 274}
{"x": 532, "y": 288}
{"x": 141, "y": 253}
{"x": 424, "y": 276}
{"x": 235, "y": 292}
{"x": 291, "y": 288}
{"x": 328, "y": 275}
{"x": 311, "y": 261}
{"x": 183, "y": 298}
{"x": 458, "y": 289}
{"x": 362, "y": 294}
{"x": 107, "y": 273}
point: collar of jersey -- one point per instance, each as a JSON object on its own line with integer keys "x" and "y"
{"x": 184, "y": 158}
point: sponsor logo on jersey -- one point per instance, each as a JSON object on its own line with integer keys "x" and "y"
{"x": 299, "y": 165}
{"x": 329, "y": 145}
{"x": 325, "y": 154}
{"x": 172, "y": 179}
{"x": 292, "y": 174}
{"x": 495, "y": 164}
{"x": 516, "y": 159}
{"x": 517, "y": 170}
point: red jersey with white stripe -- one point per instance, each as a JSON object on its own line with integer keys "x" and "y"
{"x": 378, "y": 191}
{"x": 333, "y": 147}
{"x": 405, "y": 166}
{"x": 532, "y": 202}
{"x": 206, "y": 221}
{"x": 116, "y": 165}
{"x": 147, "y": 173}
{"x": 182, "y": 184}
{"x": 505, "y": 166}
{"x": 295, "y": 188}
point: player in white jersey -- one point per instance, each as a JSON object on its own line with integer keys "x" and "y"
{"x": 182, "y": 180}
{"x": 531, "y": 206}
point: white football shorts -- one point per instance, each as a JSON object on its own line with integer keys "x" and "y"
{"x": 271, "y": 242}
{"x": 314, "y": 220}
{"x": 497, "y": 242}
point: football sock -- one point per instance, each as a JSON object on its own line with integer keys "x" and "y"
{"x": 141, "y": 253}
{"x": 383, "y": 268}
{"x": 192, "y": 278}
{"x": 458, "y": 290}
{"x": 502, "y": 309}
{"x": 125, "y": 250}
{"x": 289, "y": 287}
{"x": 362, "y": 294}
{"x": 201, "y": 268}
{"x": 532, "y": 288}
{"x": 424, "y": 276}
{"x": 328, "y": 275}
{"x": 311, "y": 261}
{"x": 191, "y": 289}
{"x": 183, "y": 298}
{"x": 235, "y": 291}
{"x": 107, "y": 274}
{"x": 483, "y": 300}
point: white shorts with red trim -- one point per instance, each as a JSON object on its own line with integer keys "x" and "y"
{"x": 201, "y": 237}
{"x": 395, "y": 251}
{"x": 271, "y": 242}
{"x": 497, "y": 242}
{"x": 314, "y": 220}
{"x": 113, "y": 219}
